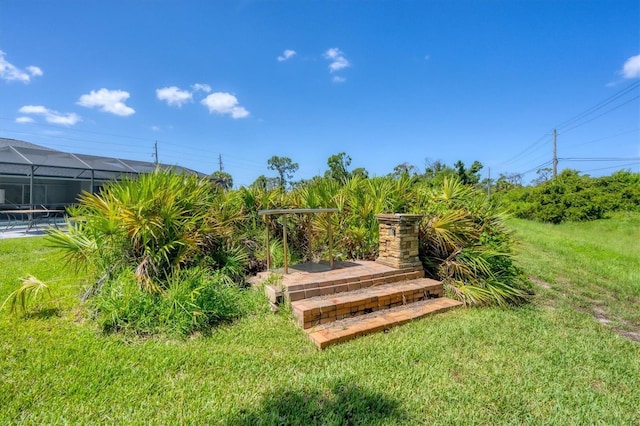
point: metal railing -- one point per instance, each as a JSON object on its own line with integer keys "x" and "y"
{"x": 284, "y": 213}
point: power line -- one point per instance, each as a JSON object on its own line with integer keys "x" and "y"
{"x": 98, "y": 144}
{"x": 610, "y": 167}
{"x": 523, "y": 152}
{"x": 601, "y": 159}
{"x": 603, "y": 138}
{"x": 538, "y": 167}
{"x": 81, "y": 131}
{"x": 573, "y": 121}
{"x": 604, "y": 113}
{"x": 555, "y": 153}
{"x": 600, "y": 104}
{"x": 71, "y": 129}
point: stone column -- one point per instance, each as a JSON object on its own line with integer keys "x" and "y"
{"x": 398, "y": 246}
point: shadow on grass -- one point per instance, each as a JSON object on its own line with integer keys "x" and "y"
{"x": 43, "y": 313}
{"x": 344, "y": 404}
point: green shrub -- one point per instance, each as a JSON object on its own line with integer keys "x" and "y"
{"x": 465, "y": 244}
{"x": 194, "y": 300}
{"x": 574, "y": 197}
{"x": 154, "y": 225}
{"x": 164, "y": 250}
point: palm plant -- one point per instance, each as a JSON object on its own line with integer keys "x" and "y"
{"x": 166, "y": 249}
{"x": 156, "y": 224}
{"x": 28, "y": 292}
{"x": 464, "y": 243}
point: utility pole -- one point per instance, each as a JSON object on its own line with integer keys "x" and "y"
{"x": 555, "y": 154}
{"x": 489, "y": 183}
{"x": 220, "y": 166}
{"x": 155, "y": 153}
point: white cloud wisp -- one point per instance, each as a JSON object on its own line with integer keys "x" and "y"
{"x": 224, "y": 104}
{"x": 174, "y": 96}
{"x": 287, "y": 54}
{"x": 337, "y": 58}
{"x": 201, "y": 87}
{"x": 35, "y": 71}
{"x": 111, "y": 101}
{"x": 51, "y": 116}
{"x": 10, "y": 72}
{"x": 631, "y": 67}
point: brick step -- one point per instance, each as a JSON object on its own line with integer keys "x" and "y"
{"x": 325, "y": 309}
{"x": 347, "y": 329}
{"x": 348, "y": 283}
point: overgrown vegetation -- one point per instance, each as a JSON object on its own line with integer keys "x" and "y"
{"x": 141, "y": 237}
{"x": 463, "y": 239}
{"x": 543, "y": 363}
{"x": 161, "y": 249}
{"x": 572, "y": 197}
{"x": 169, "y": 253}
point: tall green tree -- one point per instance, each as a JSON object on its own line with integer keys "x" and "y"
{"x": 285, "y": 168}
{"x": 404, "y": 169}
{"x": 222, "y": 180}
{"x": 436, "y": 168}
{"x": 338, "y": 167}
{"x": 470, "y": 176}
{"x": 360, "y": 172}
{"x": 542, "y": 175}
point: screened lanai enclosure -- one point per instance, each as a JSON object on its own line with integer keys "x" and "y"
{"x": 35, "y": 176}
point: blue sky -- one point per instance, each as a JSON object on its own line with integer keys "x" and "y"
{"x": 387, "y": 82}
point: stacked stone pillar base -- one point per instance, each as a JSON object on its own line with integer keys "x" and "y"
{"x": 399, "y": 240}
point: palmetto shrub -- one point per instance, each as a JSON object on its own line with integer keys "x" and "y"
{"x": 463, "y": 240}
{"x": 151, "y": 229}
{"x": 155, "y": 224}
{"x": 464, "y": 243}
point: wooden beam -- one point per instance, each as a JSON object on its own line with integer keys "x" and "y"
{"x": 295, "y": 211}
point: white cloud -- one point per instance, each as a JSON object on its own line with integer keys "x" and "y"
{"x": 23, "y": 120}
{"x": 174, "y": 96}
{"x": 49, "y": 115}
{"x": 631, "y": 68}
{"x": 33, "y": 109}
{"x": 338, "y": 79}
{"x": 224, "y": 103}
{"x": 177, "y": 97}
{"x": 155, "y": 128}
{"x": 287, "y": 54}
{"x": 35, "y": 71}
{"x": 10, "y": 72}
{"x": 201, "y": 87}
{"x": 112, "y": 101}
{"x": 338, "y": 61}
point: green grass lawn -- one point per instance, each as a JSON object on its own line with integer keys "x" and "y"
{"x": 593, "y": 266}
{"x": 550, "y": 362}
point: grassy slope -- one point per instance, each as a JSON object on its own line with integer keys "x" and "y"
{"x": 594, "y": 266}
{"x": 485, "y": 366}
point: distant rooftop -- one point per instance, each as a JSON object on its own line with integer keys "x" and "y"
{"x": 19, "y": 158}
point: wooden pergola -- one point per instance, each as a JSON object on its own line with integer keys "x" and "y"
{"x": 284, "y": 213}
